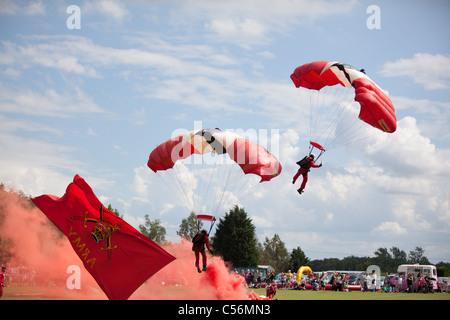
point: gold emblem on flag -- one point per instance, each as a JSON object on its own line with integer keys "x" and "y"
{"x": 104, "y": 229}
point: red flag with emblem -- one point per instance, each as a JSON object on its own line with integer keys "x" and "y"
{"x": 119, "y": 257}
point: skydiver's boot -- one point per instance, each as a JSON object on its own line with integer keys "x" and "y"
{"x": 300, "y": 191}
{"x": 205, "y": 268}
{"x": 198, "y": 269}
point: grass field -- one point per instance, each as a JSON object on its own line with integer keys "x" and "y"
{"x": 351, "y": 295}
{"x": 34, "y": 293}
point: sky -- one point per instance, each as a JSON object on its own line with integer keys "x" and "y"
{"x": 92, "y": 87}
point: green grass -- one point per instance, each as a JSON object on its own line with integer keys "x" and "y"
{"x": 34, "y": 293}
{"x": 352, "y": 295}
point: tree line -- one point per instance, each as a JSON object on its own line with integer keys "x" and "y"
{"x": 235, "y": 240}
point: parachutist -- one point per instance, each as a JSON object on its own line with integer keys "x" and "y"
{"x": 198, "y": 246}
{"x": 305, "y": 165}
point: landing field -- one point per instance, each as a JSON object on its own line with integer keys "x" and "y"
{"x": 351, "y": 295}
{"x": 35, "y": 293}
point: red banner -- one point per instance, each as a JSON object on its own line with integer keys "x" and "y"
{"x": 119, "y": 257}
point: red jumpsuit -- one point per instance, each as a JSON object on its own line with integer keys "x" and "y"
{"x": 304, "y": 171}
{"x": 2, "y": 282}
{"x": 203, "y": 252}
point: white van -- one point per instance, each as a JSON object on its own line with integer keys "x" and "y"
{"x": 405, "y": 269}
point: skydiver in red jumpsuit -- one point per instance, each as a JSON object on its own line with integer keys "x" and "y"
{"x": 303, "y": 170}
{"x": 2, "y": 281}
{"x": 200, "y": 240}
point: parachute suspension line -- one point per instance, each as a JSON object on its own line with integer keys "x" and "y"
{"x": 175, "y": 182}
{"x": 311, "y": 148}
{"x": 236, "y": 186}
{"x": 342, "y": 118}
{"x": 336, "y": 112}
{"x": 184, "y": 188}
{"x": 225, "y": 188}
{"x": 232, "y": 177}
{"x": 213, "y": 173}
{"x": 331, "y": 115}
{"x": 212, "y": 225}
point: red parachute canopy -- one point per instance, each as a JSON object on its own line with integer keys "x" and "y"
{"x": 205, "y": 217}
{"x": 316, "y": 145}
{"x": 250, "y": 156}
{"x": 376, "y": 107}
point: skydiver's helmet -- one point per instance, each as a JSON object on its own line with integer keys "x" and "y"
{"x": 203, "y": 231}
{"x": 312, "y": 156}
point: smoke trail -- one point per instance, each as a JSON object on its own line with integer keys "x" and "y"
{"x": 180, "y": 280}
{"x": 38, "y": 246}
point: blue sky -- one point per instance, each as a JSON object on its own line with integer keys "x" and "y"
{"x": 96, "y": 100}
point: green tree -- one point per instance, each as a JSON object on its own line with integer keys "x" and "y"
{"x": 115, "y": 211}
{"x": 417, "y": 256}
{"x": 235, "y": 239}
{"x": 298, "y": 259}
{"x": 399, "y": 256}
{"x": 153, "y": 230}
{"x": 189, "y": 227}
{"x": 274, "y": 253}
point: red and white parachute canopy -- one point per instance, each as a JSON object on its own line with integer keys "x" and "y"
{"x": 324, "y": 87}
{"x": 212, "y": 166}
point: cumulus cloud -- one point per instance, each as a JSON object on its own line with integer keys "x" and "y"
{"x": 432, "y": 71}
{"x": 407, "y": 152}
{"x": 431, "y": 115}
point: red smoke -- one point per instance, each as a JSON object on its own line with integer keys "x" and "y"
{"x": 37, "y": 245}
{"x": 180, "y": 280}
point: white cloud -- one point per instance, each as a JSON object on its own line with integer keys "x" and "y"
{"x": 34, "y": 8}
{"x": 245, "y": 31}
{"x": 407, "y": 152}
{"x": 81, "y": 56}
{"x": 28, "y": 8}
{"x": 430, "y": 71}
{"x": 49, "y": 103}
{"x": 390, "y": 228}
{"x": 35, "y": 166}
{"x": 432, "y": 116}
{"x": 61, "y": 55}
{"x": 112, "y": 9}
{"x": 253, "y": 22}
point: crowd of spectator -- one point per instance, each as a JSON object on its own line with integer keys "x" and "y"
{"x": 340, "y": 281}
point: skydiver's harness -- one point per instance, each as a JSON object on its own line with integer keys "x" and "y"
{"x": 304, "y": 163}
{"x": 198, "y": 241}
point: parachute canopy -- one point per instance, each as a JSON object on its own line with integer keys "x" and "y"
{"x": 376, "y": 107}
{"x": 205, "y": 217}
{"x": 250, "y": 156}
{"x": 316, "y": 145}
{"x": 210, "y": 170}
